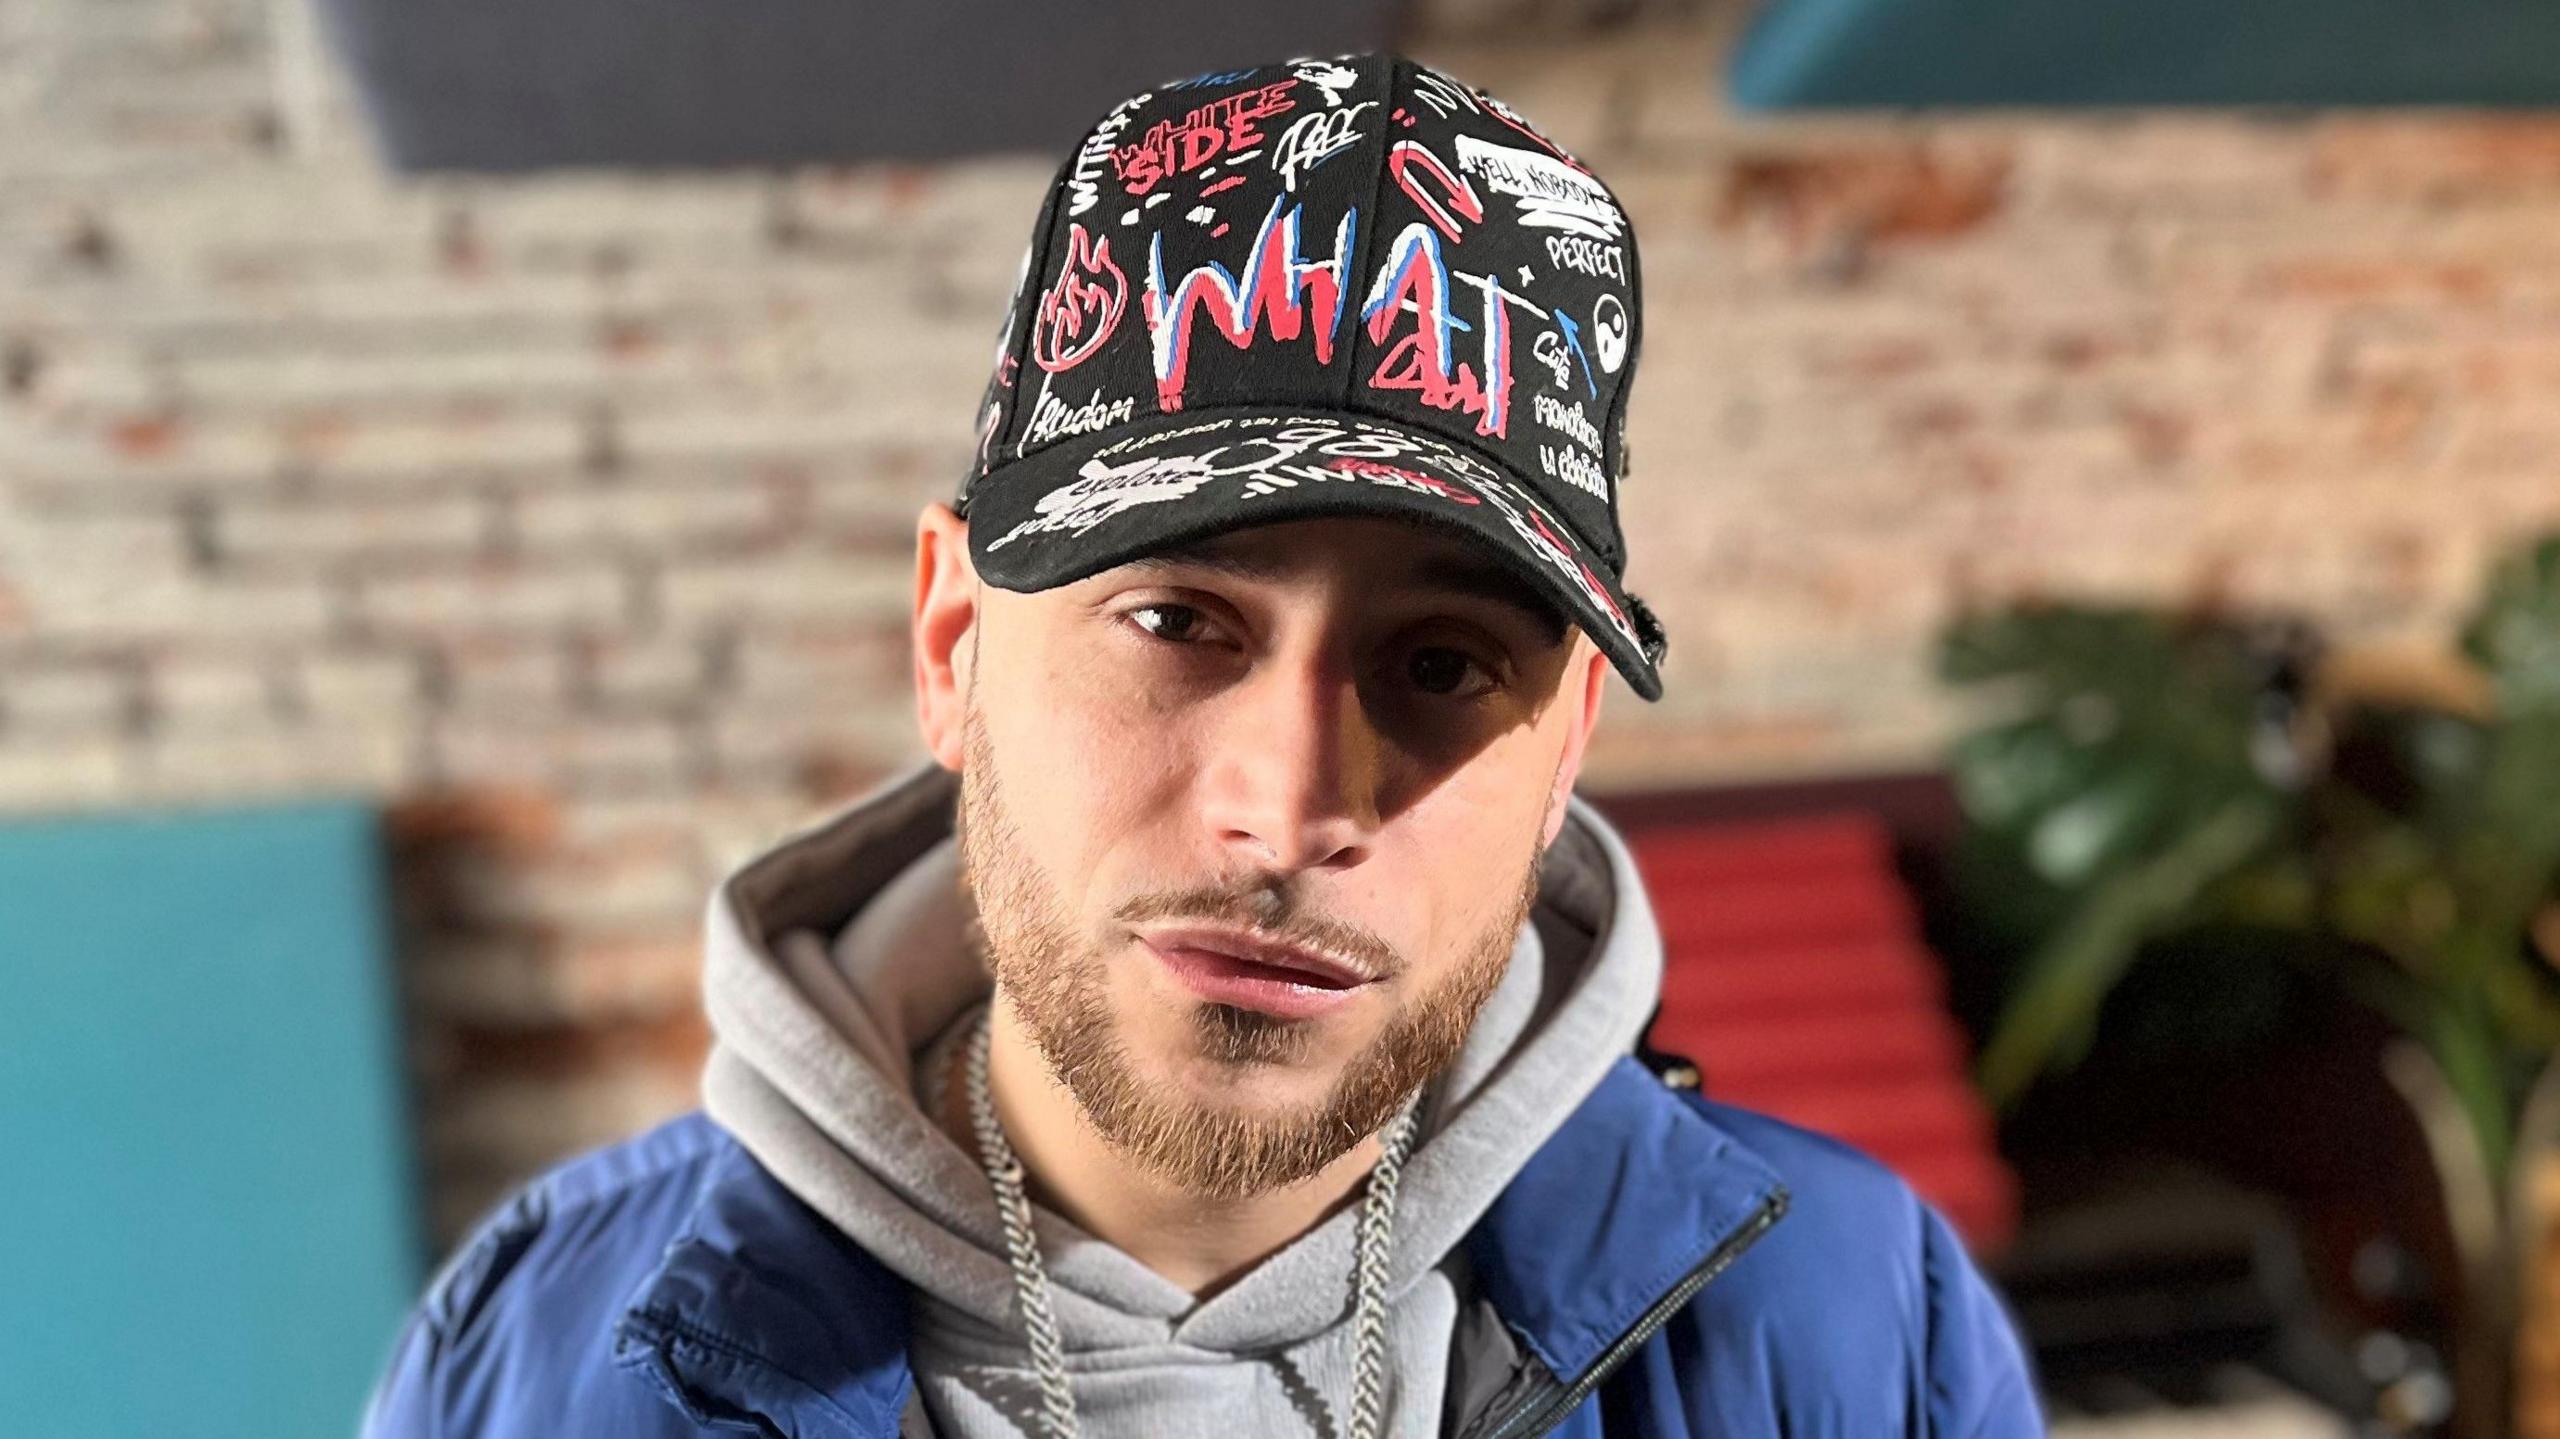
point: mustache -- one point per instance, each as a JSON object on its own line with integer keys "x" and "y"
{"x": 1271, "y": 912}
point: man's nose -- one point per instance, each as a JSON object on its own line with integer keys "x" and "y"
{"x": 1294, "y": 782}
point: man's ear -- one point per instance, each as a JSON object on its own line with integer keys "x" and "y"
{"x": 946, "y": 616}
{"x": 1589, "y": 670}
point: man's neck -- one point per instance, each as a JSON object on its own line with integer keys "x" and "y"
{"x": 1201, "y": 1244}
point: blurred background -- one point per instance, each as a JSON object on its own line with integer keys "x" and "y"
{"x": 2096, "y": 464}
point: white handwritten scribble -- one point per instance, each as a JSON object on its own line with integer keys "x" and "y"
{"x": 1596, "y": 258}
{"x": 1574, "y": 468}
{"x": 1549, "y": 350}
{"x": 1565, "y": 419}
{"x": 1445, "y": 96}
{"x": 1084, "y": 184}
{"x": 1101, "y": 490}
{"x": 1313, "y": 138}
{"x": 1053, "y": 418}
{"x": 1300, "y": 450}
{"x": 1330, "y": 77}
{"x": 1551, "y": 194}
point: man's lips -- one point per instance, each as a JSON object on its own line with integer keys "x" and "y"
{"x": 1227, "y": 967}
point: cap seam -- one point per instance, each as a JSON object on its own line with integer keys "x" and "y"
{"x": 1616, "y": 432}
{"x": 1377, "y": 228}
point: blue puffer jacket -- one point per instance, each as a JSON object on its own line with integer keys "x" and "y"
{"x": 1663, "y": 1268}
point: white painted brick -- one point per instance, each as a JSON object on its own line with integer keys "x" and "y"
{"x": 883, "y": 199}
{"x": 866, "y": 665}
{"x": 830, "y": 590}
{"x": 863, "y": 503}
{"x": 65, "y": 697}
{"x": 238, "y": 762}
{"x": 336, "y": 529}
{"x": 497, "y": 599}
{"x": 339, "y": 455}
{"x": 727, "y": 208}
{"x": 70, "y": 770}
{"x": 369, "y": 686}
{"x": 377, "y": 313}
{"x": 163, "y": 606}
{"x": 523, "y": 678}
{"x": 567, "y": 367}
{"x": 720, "y": 506}
{"x": 96, "y": 459}
{"x": 598, "y": 752}
{"x": 700, "y": 430}
{"x": 46, "y": 549}
{"x": 198, "y": 688}
{"x": 653, "y": 672}
{"x": 622, "y": 892}
{"x": 771, "y": 740}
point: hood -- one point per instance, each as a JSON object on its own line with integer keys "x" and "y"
{"x": 838, "y": 954}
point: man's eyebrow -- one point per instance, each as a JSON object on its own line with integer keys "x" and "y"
{"x": 1448, "y": 573}
{"x": 1243, "y": 565}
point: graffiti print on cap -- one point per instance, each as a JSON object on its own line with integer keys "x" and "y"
{"x": 1441, "y": 298}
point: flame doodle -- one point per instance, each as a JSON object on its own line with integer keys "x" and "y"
{"x": 1277, "y": 283}
{"x": 1081, "y": 310}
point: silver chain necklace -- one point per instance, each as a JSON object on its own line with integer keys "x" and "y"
{"x": 1031, "y": 1280}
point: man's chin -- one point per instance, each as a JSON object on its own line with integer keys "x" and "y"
{"x": 1227, "y": 1086}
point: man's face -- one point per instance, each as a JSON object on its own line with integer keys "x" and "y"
{"x": 1332, "y": 735}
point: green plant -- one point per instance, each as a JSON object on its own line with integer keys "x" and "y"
{"x": 2150, "y": 777}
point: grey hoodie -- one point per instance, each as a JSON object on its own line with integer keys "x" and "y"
{"x": 836, "y": 976}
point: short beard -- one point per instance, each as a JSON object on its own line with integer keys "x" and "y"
{"x": 1054, "y": 980}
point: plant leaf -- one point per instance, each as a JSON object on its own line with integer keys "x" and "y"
{"x": 2064, "y": 982}
{"x": 2515, "y": 633}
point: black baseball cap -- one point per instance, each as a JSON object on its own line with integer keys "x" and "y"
{"x": 1319, "y": 287}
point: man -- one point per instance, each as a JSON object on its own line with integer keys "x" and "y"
{"x": 1240, "y": 1044}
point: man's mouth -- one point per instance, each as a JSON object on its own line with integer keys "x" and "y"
{"x": 1229, "y": 967}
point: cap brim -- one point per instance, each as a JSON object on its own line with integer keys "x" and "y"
{"x": 1077, "y": 507}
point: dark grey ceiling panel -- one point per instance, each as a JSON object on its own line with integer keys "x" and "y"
{"x": 528, "y": 84}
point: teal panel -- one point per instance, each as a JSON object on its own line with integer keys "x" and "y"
{"x": 1849, "y": 53}
{"x": 206, "y": 1223}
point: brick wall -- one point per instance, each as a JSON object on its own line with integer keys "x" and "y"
{"x": 571, "y": 515}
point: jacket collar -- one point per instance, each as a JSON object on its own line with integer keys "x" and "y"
{"x": 1634, "y": 1194}
{"x": 761, "y": 1307}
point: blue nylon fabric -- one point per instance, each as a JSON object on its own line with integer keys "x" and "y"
{"x": 669, "y": 1286}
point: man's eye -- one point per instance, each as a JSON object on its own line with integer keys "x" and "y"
{"x": 1169, "y": 622}
{"x": 1440, "y": 670}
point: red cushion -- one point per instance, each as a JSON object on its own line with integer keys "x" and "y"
{"x": 1796, "y": 979}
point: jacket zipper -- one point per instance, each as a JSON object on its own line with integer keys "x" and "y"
{"x": 1541, "y": 1411}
